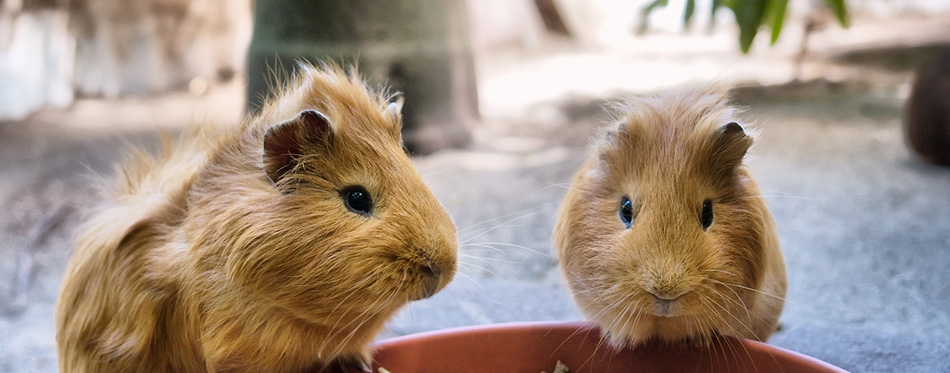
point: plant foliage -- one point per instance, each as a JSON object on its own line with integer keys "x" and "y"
{"x": 751, "y": 15}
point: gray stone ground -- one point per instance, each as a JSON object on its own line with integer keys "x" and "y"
{"x": 864, "y": 225}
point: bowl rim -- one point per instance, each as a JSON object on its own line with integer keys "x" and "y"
{"x": 582, "y": 327}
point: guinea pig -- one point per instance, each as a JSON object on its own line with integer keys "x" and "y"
{"x": 663, "y": 233}
{"x": 282, "y": 244}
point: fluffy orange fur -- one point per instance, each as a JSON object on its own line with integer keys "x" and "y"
{"x": 665, "y": 276}
{"x": 199, "y": 261}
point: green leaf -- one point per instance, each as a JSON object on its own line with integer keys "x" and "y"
{"x": 749, "y": 15}
{"x": 841, "y": 12}
{"x": 646, "y": 11}
{"x": 775, "y": 14}
{"x": 688, "y": 12}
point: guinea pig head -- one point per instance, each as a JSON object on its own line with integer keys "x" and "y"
{"x": 657, "y": 237}
{"x": 352, "y": 230}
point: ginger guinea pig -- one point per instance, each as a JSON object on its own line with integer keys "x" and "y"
{"x": 282, "y": 244}
{"x": 664, "y": 234}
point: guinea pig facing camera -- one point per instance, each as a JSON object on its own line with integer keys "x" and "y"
{"x": 663, "y": 232}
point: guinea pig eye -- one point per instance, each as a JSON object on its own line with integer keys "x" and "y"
{"x": 357, "y": 200}
{"x": 626, "y": 211}
{"x": 706, "y": 216}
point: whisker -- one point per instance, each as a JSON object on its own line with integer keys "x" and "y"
{"x": 363, "y": 318}
{"x": 470, "y": 265}
{"x": 505, "y": 244}
{"x": 751, "y": 289}
{"x": 479, "y": 293}
{"x": 737, "y": 319}
{"x": 737, "y": 302}
{"x": 564, "y": 186}
{"x": 730, "y": 274}
{"x": 467, "y": 237}
{"x": 492, "y": 248}
{"x": 489, "y": 260}
{"x": 517, "y": 215}
{"x": 337, "y": 329}
{"x": 429, "y": 174}
{"x": 749, "y": 355}
{"x": 780, "y": 194}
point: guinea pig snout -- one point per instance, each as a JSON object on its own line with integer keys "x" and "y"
{"x": 666, "y": 290}
{"x": 665, "y": 295}
{"x": 433, "y": 276}
{"x": 431, "y": 280}
{"x": 665, "y": 301}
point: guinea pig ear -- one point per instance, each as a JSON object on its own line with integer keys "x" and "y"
{"x": 395, "y": 107}
{"x": 626, "y": 133}
{"x": 731, "y": 144}
{"x": 393, "y": 111}
{"x": 286, "y": 142}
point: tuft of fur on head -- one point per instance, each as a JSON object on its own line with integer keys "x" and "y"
{"x": 667, "y": 276}
{"x": 330, "y": 89}
{"x": 236, "y": 248}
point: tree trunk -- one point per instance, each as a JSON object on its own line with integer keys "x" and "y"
{"x": 420, "y": 48}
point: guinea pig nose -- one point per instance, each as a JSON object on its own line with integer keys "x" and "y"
{"x": 430, "y": 270}
{"x": 431, "y": 280}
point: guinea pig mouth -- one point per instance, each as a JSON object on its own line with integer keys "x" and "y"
{"x": 665, "y": 308}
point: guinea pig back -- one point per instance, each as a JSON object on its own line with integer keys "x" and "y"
{"x": 664, "y": 233}
{"x": 283, "y": 243}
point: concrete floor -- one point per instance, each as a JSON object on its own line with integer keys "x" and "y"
{"x": 864, "y": 225}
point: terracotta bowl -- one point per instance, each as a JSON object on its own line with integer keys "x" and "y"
{"x": 536, "y": 347}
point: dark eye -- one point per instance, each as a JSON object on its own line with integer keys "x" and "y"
{"x": 706, "y": 216}
{"x": 357, "y": 200}
{"x": 626, "y": 211}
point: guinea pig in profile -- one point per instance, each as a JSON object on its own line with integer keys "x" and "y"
{"x": 282, "y": 244}
{"x": 664, "y": 234}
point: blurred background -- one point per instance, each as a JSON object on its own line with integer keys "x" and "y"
{"x": 502, "y": 97}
